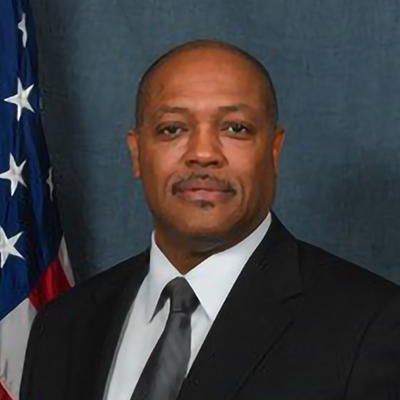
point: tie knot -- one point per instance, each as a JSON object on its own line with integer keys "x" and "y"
{"x": 182, "y": 297}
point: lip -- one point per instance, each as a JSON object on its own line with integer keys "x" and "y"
{"x": 203, "y": 194}
{"x": 204, "y": 185}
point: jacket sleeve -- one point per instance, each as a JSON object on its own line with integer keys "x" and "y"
{"x": 32, "y": 360}
{"x": 376, "y": 369}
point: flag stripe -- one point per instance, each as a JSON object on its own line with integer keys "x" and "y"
{"x": 14, "y": 333}
{"x": 3, "y": 394}
{"x": 51, "y": 284}
{"x": 65, "y": 263}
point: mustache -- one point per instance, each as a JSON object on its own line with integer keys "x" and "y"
{"x": 223, "y": 184}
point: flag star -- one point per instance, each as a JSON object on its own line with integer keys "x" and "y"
{"x": 22, "y": 27}
{"x": 14, "y": 174}
{"x": 21, "y": 99}
{"x": 50, "y": 183}
{"x": 7, "y": 246}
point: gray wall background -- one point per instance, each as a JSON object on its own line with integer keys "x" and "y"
{"x": 336, "y": 67}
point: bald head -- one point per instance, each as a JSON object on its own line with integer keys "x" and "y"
{"x": 209, "y": 50}
{"x": 205, "y": 115}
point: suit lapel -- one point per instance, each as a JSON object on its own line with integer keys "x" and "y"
{"x": 125, "y": 301}
{"x": 251, "y": 321}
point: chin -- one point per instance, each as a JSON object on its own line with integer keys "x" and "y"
{"x": 205, "y": 226}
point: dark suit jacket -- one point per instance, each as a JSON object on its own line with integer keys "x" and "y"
{"x": 298, "y": 324}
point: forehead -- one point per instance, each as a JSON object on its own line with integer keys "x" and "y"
{"x": 207, "y": 73}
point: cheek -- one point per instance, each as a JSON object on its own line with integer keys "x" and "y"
{"x": 248, "y": 166}
{"x": 158, "y": 170}
{"x": 243, "y": 170}
{"x": 257, "y": 172}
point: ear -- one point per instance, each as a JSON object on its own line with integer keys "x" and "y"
{"x": 277, "y": 143}
{"x": 133, "y": 144}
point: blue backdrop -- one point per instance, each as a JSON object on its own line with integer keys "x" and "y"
{"x": 336, "y": 67}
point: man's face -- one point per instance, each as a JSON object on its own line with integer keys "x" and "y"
{"x": 206, "y": 153}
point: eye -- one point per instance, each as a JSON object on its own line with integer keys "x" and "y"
{"x": 238, "y": 128}
{"x": 169, "y": 130}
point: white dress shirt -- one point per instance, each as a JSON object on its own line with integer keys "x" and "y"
{"x": 211, "y": 280}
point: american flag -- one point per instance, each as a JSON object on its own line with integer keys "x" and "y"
{"x": 34, "y": 265}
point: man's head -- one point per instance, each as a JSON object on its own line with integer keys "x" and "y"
{"x": 206, "y": 143}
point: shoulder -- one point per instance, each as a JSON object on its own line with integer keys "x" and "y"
{"x": 105, "y": 284}
{"x": 342, "y": 282}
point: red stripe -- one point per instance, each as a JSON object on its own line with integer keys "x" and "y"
{"x": 52, "y": 283}
{"x": 3, "y": 394}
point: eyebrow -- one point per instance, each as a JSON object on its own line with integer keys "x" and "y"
{"x": 235, "y": 107}
{"x": 221, "y": 110}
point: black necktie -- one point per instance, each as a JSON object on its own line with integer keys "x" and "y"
{"x": 165, "y": 370}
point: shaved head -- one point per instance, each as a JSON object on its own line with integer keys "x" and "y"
{"x": 206, "y": 115}
{"x": 144, "y": 91}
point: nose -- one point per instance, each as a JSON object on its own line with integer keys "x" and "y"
{"x": 204, "y": 149}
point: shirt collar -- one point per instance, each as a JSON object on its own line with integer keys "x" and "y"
{"x": 211, "y": 280}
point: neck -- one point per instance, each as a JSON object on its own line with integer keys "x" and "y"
{"x": 185, "y": 251}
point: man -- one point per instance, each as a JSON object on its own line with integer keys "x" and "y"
{"x": 225, "y": 303}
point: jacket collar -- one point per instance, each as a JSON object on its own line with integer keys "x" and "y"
{"x": 253, "y": 318}
{"x": 139, "y": 270}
